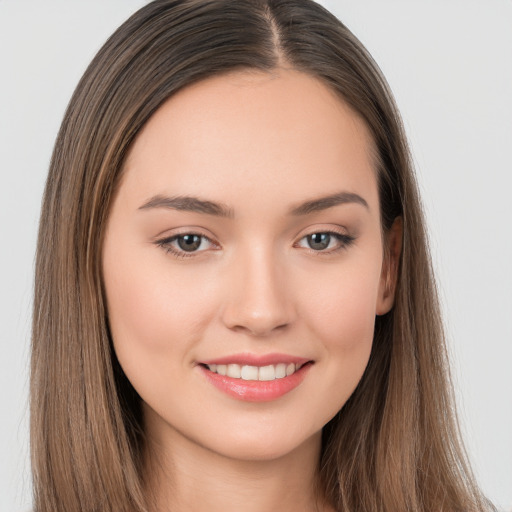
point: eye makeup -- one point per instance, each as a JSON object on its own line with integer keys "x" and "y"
{"x": 186, "y": 245}
{"x": 190, "y": 244}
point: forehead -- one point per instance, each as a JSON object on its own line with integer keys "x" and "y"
{"x": 252, "y": 135}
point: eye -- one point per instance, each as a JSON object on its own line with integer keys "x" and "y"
{"x": 189, "y": 243}
{"x": 186, "y": 244}
{"x": 325, "y": 241}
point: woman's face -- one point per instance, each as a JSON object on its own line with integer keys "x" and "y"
{"x": 243, "y": 263}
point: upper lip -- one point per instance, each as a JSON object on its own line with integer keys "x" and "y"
{"x": 257, "y": 359}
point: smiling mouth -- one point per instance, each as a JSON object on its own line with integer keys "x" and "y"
{"x": 255, "y": 373}
{"x": 254, "y": 383}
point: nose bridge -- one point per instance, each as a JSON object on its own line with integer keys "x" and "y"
{"x": 258, "y": 298}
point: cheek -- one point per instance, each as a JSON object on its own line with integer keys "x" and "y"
{"x": 342, "y": 311}
{"x": 153, "y": 315}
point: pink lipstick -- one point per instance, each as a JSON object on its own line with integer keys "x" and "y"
{"x": 256, "y": 378}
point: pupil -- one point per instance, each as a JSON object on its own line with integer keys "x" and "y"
{"x": 319, "y": 241}
{"x": 189, "y": 243}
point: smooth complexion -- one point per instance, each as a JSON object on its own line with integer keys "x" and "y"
{"x": 246, "y": 230}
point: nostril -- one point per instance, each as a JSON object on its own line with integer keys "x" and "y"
{"x": 259, "y": 329}
{"x": 259, "y": 302}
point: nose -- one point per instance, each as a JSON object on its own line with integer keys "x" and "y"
{"x": 258, "y": 301}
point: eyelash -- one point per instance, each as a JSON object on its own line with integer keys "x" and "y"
{"x": 345, "y": 241}
{"x": 165, "y": 244}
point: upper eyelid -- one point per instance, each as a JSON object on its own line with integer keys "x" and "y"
{"x": 327, "y": 232}
{"x": 341, "y": 236}
{"x": 185, "y": 233}
{"x": 172, "y": 238}
{"x": 334, "y": 230}
{"x": 186, "y": 230}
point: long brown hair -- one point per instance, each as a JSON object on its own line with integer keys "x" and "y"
{"x": 394, "y": 446}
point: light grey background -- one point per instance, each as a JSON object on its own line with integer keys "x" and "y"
{"x": 449, "y": 63}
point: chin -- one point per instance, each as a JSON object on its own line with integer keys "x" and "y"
{"x": 264, "y": 448}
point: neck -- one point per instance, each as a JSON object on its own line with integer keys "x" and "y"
{"x": 188, "y": 477}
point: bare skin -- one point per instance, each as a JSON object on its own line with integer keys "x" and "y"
{"x": 195, "y": 480}
{"x": 246, "y": 225}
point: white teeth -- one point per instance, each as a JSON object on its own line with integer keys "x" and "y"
{"x": 262, "y": 373}
{"x": 267, "y": 373}
{"x": 234, "y": 371}
{"x": 249, "y": 372}
{"x": 280, "y": 371}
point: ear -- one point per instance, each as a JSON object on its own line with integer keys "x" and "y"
{"x": 390, "y": 264}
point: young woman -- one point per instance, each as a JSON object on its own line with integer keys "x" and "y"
{"x": 234, "y": 306}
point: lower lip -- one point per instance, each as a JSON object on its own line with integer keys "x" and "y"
{"x": 256, "y": 390}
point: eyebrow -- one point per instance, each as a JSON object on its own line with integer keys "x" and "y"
{"x": 323, "y": 203}
{"x": 197, "y": 205}
{"x": 188, "y": 204}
